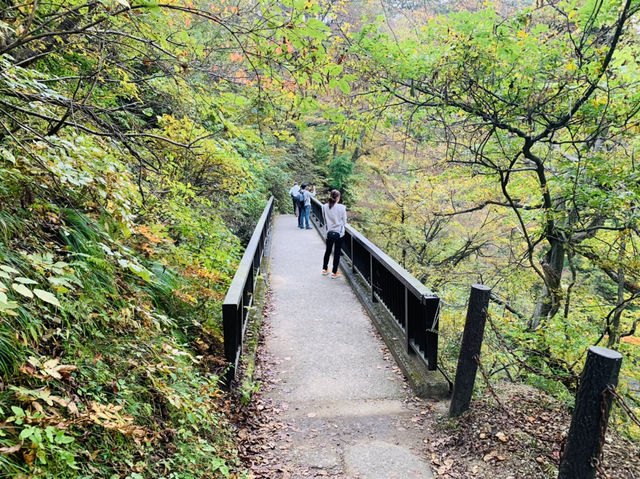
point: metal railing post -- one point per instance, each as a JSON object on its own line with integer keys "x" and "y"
{"x": 408, "y": 323}
{"x": 372, "y": 279}
{"x": 431, "y": 311}
{"x": 230, "y": 329}
{"x": 353, "y": 261}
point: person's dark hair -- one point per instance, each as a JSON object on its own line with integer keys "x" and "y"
{"x": 333, "y": 197}
{"x": 303, "y": 186}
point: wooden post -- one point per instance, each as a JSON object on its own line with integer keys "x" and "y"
{"x": 591, "y": 414}
{"x": 470, "y": 349}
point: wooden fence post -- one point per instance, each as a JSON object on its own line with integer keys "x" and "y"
{"x": 591, "y": 414}
{"x": 470, "y": 349}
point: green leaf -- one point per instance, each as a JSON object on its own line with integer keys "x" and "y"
{"x": 7, "y": 155}
{"x": 140, "y": 271}
{"x": 317, "y": 24}
{"x": 344, "y": 87}
{"x": 46, "y": 297}
{"x": 9, "y": 269}
{"x": 61, "y": 438}
{"x": 17, "y": 411}
{"x": 22, "y": 280}
{"x": 22, "y": 289}
{"x": 27, "y": 432}
{"x": 335, "y": 70}
{"x": 151, "y": 5}
{"x": 6, "y": 306}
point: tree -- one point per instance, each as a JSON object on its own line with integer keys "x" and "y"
{"x": 544, "y": 103}
{"x": 137, "y": 140}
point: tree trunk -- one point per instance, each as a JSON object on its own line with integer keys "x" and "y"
{"x": 614, "y": 328}
{"x": 551, "y": 296}
{"x": 358, "y": 149}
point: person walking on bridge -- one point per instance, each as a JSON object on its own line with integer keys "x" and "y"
{"x": 295, "y": 189}
{"x": 335, "y": 217}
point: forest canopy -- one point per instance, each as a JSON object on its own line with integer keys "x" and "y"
{"x": 499, "y": 145}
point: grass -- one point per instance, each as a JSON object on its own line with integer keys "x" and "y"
{"x": 127, "y": 342}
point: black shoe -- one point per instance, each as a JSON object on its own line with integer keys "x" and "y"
{"x": 308, "y": 228}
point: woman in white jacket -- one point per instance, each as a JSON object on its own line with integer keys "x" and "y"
{"x": 335, "y": 218}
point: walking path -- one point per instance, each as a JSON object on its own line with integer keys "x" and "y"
{"x": 345, "y": 406}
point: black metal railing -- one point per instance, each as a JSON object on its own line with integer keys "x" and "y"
{"x": 239, "y": 298}
{"x": 413, "y": 307}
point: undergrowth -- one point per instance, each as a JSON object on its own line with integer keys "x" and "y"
{"x": 110, "y": 337}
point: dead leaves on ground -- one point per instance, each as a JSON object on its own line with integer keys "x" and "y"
{"x": 524, "y": 439}
{"x": 47, "y": 369}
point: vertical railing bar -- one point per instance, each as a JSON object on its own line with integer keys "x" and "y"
{"x": 407, "y": 320}
{"x": 353, "y": 261}
{"x": 372, "y": 278}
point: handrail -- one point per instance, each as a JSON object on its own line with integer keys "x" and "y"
{"x": 398, "y": 271}
{"x": 410, "y": 303}
{"x": 235, "y": 308}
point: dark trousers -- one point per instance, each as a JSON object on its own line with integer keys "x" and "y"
{"x": 336, "y": 254}
{"x": 295, "y": 205}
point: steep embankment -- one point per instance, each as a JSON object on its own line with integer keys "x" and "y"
{"x": 109, "y": 340}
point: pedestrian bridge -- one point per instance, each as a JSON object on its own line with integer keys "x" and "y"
{"x": 336, "y": 348}
{"x": 346, "y": 406}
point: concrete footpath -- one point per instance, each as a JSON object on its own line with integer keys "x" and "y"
{"x": 345, "y": 407}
